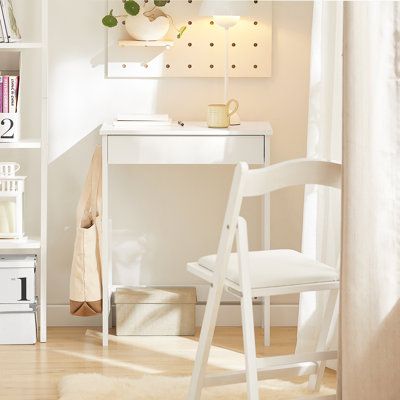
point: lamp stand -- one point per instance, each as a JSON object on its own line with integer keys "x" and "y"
{"x": 234, "y": 119}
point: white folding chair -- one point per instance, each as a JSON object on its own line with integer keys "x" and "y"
{"x": 264, "y": 273}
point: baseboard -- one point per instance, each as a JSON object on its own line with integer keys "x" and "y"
{"x": 229, "y": 315}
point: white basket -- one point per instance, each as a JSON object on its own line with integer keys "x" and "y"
{"x": 9, "y": 168}
{"x": 10, "y": 127}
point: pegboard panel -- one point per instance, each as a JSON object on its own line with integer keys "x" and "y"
{"x": 200, "y": 52}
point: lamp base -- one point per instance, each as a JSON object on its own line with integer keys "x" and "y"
{"x": 235, "y": 120}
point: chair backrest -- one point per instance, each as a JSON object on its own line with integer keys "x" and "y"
{"x": 258, "y": 182}
{"x": 291, "y": 173}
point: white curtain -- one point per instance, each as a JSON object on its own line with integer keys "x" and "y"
{"x": 370, "y": 313}
{"x": 321, "y": 219}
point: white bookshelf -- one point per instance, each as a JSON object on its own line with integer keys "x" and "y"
{"x": 33, "y": 56}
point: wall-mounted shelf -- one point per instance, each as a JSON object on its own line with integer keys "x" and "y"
{"x": 146, "y": 43}
{"x": 20, "y": 45}
{"x": 200, "y": 52}
{"x": 22, "y": 144}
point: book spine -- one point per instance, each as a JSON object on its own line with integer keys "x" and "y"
{"x": 1, "y": 94}
{"x": 6, "y": 38}
{"x": 11, "y": 25}
{"x": 1, "y": 29}
{"x": 12, "y": 94}
{"x": 5, "y": 94}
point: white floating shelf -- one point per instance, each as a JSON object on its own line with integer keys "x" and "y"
{"x": 22, "y": 144}
{"x": 20, "y": 45}
{"x": 19, "y": 244}
{"x": 144, "y": 43}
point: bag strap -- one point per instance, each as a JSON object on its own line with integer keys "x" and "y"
{"x": 90, "y": 202}
{"x": 95, "y": 195}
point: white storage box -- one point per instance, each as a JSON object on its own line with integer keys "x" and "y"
{"x": 17, "y": 299}
{"x": 17, "y": 279}
{"x": 158, "y": 311}
{"x": 18, "y": 323}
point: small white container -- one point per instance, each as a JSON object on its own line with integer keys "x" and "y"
{"x": 10, "y": 127}
{"x": 18, "y": 324}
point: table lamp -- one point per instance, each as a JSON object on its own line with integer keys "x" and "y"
{"x": 226, "y": 14}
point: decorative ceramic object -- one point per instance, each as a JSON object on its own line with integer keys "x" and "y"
{"x": 140, "y": 27}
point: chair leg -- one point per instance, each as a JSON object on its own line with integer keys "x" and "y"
{"x": 249, "y": 347}
{"x": 206, "y": 336}
{"x": 328, "y": 325}
{"x": 267, "y": 321}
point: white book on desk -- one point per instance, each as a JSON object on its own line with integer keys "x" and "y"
{"x": 140, "y": 124}
{"x": 144, "y": 117}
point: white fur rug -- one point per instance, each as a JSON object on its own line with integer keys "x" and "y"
{"x": 152, "y": 387}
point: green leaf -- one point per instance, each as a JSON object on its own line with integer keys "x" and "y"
{"x": 131, "y": 7}
{"x": 109, "y": 20}
{"x": 181, "y": 31}
{"x": 160, "y": 3}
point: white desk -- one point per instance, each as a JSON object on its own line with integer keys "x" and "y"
{"x": 193, "y": 143}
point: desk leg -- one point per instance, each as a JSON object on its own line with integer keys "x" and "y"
{"x": 266, "y": 245}
{"x": 105, "y": 241}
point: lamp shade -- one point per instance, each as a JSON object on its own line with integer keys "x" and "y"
{"x": 226, "y": 8}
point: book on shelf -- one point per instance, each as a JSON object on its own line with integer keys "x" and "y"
{"x": 4, "y": 35}
{"x": 9, "y": 90}
{"x": 12, "y": 93}
{"x": 9, "y": 27}
{"x": 1, "y": 94}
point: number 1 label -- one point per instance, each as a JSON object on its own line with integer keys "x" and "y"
{"x": 23, "y": 289}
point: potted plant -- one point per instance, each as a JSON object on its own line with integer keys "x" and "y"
{"x": 146, "y": 22}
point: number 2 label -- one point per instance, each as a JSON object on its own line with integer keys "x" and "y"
{"x": 7, "y": 134}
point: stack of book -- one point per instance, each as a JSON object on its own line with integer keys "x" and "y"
{"x": 9, "y": 31}
{"x": 134, "y": 121}
{"x": 9, "y": 89}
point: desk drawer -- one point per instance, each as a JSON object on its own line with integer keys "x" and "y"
{"x": 185, "y": 149}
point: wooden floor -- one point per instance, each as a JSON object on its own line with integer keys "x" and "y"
{"x": 32, "y": 372}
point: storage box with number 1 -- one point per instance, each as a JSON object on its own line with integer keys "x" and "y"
{"x": 17, "y": 299}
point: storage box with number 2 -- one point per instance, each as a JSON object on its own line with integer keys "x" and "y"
{"x": 17, "y": 299}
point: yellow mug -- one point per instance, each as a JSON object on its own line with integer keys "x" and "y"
{"x": 219, "y": 115}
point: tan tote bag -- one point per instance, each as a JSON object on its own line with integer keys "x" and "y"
{"x": 85, "y": 282}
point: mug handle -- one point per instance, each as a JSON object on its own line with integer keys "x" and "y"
{"x": 232, "y": 101}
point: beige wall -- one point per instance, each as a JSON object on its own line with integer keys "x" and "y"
{"x": 164, "y": 216}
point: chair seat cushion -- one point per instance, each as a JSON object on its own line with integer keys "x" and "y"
{"x": 276, "y": 268}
